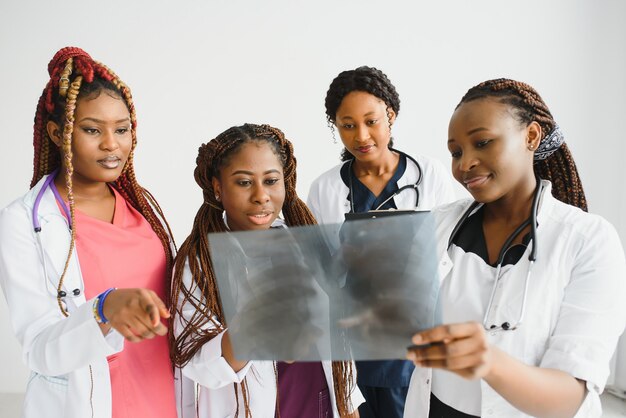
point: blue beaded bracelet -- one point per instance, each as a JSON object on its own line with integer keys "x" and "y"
{"x": 101, "y": 299}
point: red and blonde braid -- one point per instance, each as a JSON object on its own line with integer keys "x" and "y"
{"x": 70, "y": 69}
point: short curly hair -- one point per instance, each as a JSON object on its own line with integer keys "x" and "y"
{"x": 367, "y": 79}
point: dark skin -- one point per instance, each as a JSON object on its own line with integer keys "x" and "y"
{"x": 363, "y": 122}
{"x": 253, "y": 180}
{"x": 492, "y": 156}
{"x": 101, "y": 144}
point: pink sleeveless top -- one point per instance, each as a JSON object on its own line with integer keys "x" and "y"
{"x": 128, "y": 254}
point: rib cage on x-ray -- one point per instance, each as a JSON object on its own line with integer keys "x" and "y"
{"x": 359, "y": 290}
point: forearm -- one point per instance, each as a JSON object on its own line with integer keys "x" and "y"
{"x": 536, "y": 391}
{"x": 227, "y": 353}
{"x": 209, "y": 367}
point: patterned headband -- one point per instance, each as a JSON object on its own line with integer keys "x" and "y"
{"x": 549, "y": 144}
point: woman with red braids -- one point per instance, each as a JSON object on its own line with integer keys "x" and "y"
{"x": 85, "y": 257}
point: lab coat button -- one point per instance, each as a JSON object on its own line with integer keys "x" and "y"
{"x": 76, "y": 292}
{"x": 62, "y": 294}
{"x": 490, "y": 411}
{"x": 427, "y": 381}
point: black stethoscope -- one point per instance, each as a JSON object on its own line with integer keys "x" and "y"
{"x": 532, "y": 257}
{"x": 397, "y": 192}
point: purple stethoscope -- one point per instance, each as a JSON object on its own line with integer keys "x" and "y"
{"x": 49, "y": 183}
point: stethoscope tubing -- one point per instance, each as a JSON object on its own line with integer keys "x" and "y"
{"x": 532, "y": 257}
{"x": 48, "y": 183}
{"x": 397, "y": 192}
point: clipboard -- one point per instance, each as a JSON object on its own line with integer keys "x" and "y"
{"x": 374, "y": 214}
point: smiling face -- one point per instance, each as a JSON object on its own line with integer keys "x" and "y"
{"x": 492, "y": 153}
{"x": 363, "y": 124}
{"x": 251, "y": 187}
{"x": 101, "y": 139}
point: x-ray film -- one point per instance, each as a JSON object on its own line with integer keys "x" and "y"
{"x": 358, "y": 290}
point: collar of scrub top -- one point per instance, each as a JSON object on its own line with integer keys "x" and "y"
{"x": 413, "y": 186}
{"x": 532, "y": 257}
{"x": 49, "y": 182}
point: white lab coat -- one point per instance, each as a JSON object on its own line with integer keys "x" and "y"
{"x": 215, "y": 378}
{"x": 64, "y": 354}
{"x": 575, "y": 309}
{"x": 328, "y": 194}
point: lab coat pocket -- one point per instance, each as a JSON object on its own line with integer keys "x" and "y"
{"x": 47, "y": 392}
{"x": 324, "y": 404}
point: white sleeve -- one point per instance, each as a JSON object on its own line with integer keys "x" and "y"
{"x": 207, "y": 367}
{"x": 52, "y": 344}
{"x": 592, "y": 313}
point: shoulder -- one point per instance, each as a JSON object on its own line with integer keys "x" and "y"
{"x": 435, "y": 175}
{"x": 329, "y": 178}
{"x": 17, "y": 210}
{"x": 430, "y": 163}
{"x": 430, "y": 166}
{"x": 450, "y": 213}
{"x": 581, "y": 225}
{"x": 326, "y": 187}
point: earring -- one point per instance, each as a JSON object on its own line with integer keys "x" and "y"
{"x": 531, "y": 147}
{"x": 217, "y": 197}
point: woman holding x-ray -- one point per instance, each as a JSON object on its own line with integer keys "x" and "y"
{"x": 531, "y": 288}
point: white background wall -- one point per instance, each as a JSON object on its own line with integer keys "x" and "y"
{"x": 199, "y": 67}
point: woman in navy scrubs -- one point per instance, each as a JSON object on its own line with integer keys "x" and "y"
{"x": 362, "y": 105}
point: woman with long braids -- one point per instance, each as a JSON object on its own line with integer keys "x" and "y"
{"x": 85, "y": 256}
{"x": 532, "y": 286}
{"x": 362, "y": 104}
{"x": 248, "y": 176}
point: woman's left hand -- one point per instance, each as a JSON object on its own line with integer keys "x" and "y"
{"x": 459, "y": 348}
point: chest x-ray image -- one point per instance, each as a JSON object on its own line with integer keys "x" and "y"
{"x": 357, "y": 290}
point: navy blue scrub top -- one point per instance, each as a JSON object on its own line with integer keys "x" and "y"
{"x": 363, "y": 199}
{"x": 388, "y": 373}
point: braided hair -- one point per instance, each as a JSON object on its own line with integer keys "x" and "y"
{"x": 367, "y": 79}
{"x": 75, "y": 75}
{"x": 559, "y": 168}
{"x": 208, "y": 319}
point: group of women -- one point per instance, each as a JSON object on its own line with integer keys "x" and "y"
{"x": 114, "y": 321}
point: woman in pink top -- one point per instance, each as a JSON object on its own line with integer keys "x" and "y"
{"x": 85, "y": 256}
